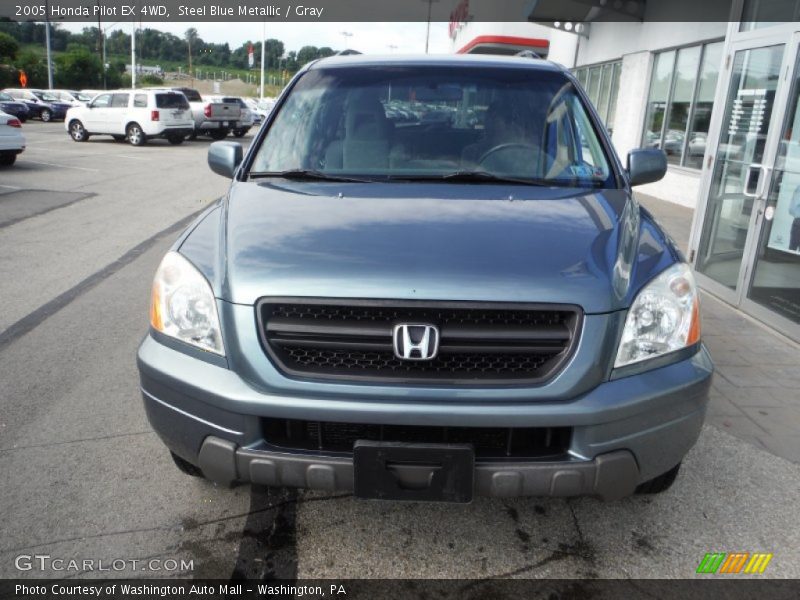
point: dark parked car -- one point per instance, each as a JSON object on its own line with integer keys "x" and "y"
{"x": 433, "y": 311}
{"x": 13, "y": 107}
{"x": 41, "y": 105}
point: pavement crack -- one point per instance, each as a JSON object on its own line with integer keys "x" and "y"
{"x": 78, "y": 441}
{"x": 173, "y": 526}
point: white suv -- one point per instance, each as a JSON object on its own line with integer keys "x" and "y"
{"x": 135, "y": 115}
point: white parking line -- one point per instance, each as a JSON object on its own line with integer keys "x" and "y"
{"x": 38, "y": 162}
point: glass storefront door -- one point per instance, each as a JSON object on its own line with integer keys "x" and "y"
{"x": 739, "y": 155}
{"x": 773, "y": 282}
{"x": 748, "y": 249}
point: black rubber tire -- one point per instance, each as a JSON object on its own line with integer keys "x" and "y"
{"x": 135, "y": 135}
{"x": 175, "y": 140}
{"x": 192, "y": 136}
{"x": 218, "y": 134}
{"x": 23, "y": 119}
{"x": 46, "y": 115}
{"x": 184, "y": 466}
{"x": 661, "y": 483}
{"x": 118, "y": 138}
{"x": 77, "y": 131}
{"x": 239, "y": 132}
{"x": 7, "y": 159}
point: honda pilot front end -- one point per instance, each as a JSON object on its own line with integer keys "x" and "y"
{"x": 429, "y": 280}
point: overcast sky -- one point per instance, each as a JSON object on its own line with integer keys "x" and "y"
{"x": 370, "y": 38}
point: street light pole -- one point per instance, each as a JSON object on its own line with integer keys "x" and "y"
{"x": 263, "y": 52}
{"x": 428, "y": 30}
{"x": 133, "y": 56}
{"x": 47, "y": 42}
{"x": 346, "y": 35}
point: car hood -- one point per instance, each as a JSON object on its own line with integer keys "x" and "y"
{"x": 593, "y": 248}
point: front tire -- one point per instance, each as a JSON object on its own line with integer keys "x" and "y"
{"x": 661, "y": 483}
{"x": 135, "y": 135}
{"x": 184, "y": 466}
{"x": 77, "y": 131}
{"x": 46, "y": 115}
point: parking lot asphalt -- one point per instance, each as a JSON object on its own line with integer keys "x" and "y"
{"x": 82, "y": 229}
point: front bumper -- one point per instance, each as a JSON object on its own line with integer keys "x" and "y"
{"x": 609, "y": 476}
{"x": 624, "y": 432}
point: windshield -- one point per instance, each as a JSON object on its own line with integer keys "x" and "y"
{"x": 434, "y": 122}
{"x": 82, "y": 97}
{"x": 45, "y": 96}
{"x": 5, "y": 97}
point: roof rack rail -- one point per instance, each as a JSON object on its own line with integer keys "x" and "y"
{"x": 528, "y": 54}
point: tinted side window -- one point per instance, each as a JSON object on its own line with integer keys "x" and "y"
{"x": 140, "y": 100}
{"x": 102, "y": 101}
{"x": 120, "y": 101}
{"x": 172, "y": 101}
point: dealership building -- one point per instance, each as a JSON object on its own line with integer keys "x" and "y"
{"x": 721, "y": 100}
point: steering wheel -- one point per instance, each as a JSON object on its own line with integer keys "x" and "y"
{"x": 506, "y": 146}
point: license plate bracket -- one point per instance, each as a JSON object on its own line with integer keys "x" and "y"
{"x": 413, "y": 472}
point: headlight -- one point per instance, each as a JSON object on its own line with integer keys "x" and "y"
{"x": 664, "y": 317}
{"x": 183, "y": 305}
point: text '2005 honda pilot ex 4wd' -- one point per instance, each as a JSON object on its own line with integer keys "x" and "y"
{"x": 429, "y": 280}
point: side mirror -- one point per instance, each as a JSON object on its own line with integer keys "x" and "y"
{"x": 224, "y": 158}
{"x": 646, "y": 165}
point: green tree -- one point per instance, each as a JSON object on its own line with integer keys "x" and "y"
{"x": 79, "y": 68}
{"x": 35, "y": 68}
{"x": 9, "y": 47}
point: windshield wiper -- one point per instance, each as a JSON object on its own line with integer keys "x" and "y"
{"x": 474, "y": 177}
{"x": 477, "y": 176}
{"x": 306, "y": 175}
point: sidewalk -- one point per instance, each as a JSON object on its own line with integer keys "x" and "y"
{"x": 756, "y": 390}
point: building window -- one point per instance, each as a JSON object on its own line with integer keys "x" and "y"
{"x": 601, "y": 83}
{"x": 757, "y": 14}
{"x": 680, "y": 101}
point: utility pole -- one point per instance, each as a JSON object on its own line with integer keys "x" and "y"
{"x": 101, "y": 45}
{"x": 346, "y": 35}
{"x": 191, "y": 73}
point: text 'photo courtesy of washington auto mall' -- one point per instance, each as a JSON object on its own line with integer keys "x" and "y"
{"x": 369, "y": 299}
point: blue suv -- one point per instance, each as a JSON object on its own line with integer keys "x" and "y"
{"x": 429, "y": 280}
